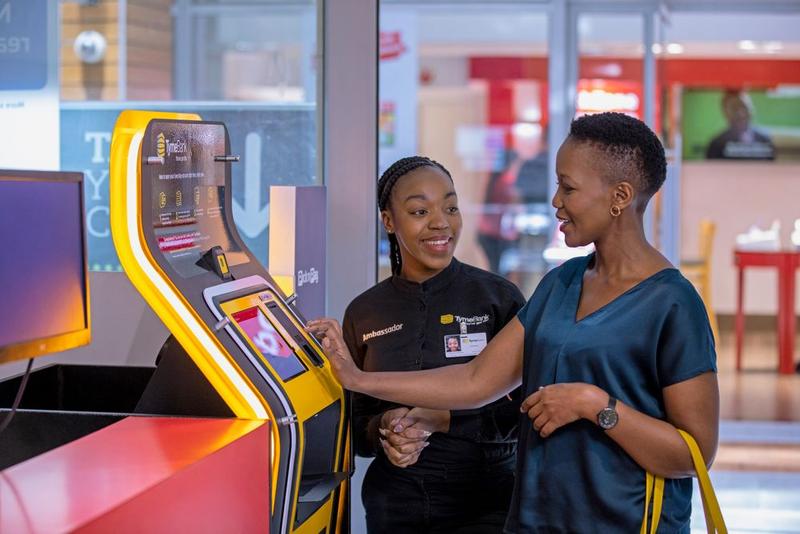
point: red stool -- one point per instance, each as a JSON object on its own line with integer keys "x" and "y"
{"x": 786, "y": 262}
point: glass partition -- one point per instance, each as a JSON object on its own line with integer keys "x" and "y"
{"x": 250, "y": 64}
{"x": 467, "y": 86}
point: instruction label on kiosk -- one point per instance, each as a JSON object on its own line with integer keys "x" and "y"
{"x": 188, "y": 196}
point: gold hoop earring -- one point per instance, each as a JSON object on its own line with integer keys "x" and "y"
{"x": 615, "y": 210}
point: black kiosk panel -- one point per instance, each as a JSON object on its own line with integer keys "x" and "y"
{"x": 187, "y": 194}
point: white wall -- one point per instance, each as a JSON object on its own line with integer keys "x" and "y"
{"x": 442, "y": 112}
{"x": 736, "y": 195}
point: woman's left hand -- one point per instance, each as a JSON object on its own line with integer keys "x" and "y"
{"x": 556, "y": 405}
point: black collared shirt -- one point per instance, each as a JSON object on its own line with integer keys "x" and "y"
{"x": 399, "y": 325}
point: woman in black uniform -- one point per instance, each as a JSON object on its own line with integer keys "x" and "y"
{"x": 435, "y": 470}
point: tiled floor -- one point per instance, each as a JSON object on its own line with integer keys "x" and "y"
{"x": 754, "y": 502}
{"x": 756, "y": 474}
{"x": 758, "y": 392}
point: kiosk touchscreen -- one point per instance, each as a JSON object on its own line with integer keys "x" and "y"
{"x": 172, "y": 226}
{"x": 256, "y": 327}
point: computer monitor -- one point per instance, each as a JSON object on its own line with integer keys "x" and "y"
{"x": 44, "y": 286}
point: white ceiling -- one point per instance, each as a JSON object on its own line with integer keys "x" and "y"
{"x": 486, "y": 29}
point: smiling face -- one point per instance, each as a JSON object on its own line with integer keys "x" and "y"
{"x": 424, "y": 216}
{"x": 452, "y": 344}
{"x": 584, "y": 197}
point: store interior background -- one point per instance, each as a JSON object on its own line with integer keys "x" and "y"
{"x": 483, "y": 81}
{"x": 482, "y": 90}
{"x": 468, "y": 82}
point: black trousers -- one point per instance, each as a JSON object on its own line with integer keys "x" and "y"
{"x": 473, "y": 501}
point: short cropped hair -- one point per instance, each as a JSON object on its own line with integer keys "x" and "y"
{"x": 633, "y": 152}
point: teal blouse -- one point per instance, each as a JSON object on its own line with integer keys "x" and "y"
{"x": 652, "y": 336}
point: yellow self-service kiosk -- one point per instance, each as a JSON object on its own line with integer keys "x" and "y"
{"x": 172, "y": 226}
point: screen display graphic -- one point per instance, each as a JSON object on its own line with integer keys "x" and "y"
{"x": 269, "y": 342}
{"x": 42, "y": 268}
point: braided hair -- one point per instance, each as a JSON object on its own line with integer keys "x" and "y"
{"x": 386, "y": 183}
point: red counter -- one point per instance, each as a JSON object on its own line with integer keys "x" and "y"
{"x": 145, "y": 474}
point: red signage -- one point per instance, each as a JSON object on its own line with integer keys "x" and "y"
{"x": 391, "y": 45}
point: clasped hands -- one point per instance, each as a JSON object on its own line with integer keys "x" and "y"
{"x": 404, "y": 432}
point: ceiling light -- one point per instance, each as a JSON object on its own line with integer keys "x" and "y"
{"x": 532, "y": 114}
{"x": 656, "y": 48}
{"x": 674, "y": 48}
{"x": 600, "y": 100}
{"x": 747, "y": 45}
{"x": 524, "y": 129}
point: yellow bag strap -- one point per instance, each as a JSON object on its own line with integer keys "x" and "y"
{"x": 648, "y": 489}
{"x": 654, "y": 487}
{"x": 714, "y": 519}
{"x": 658, "y": 499}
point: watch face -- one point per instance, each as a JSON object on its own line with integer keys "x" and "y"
{"x": 607, "y": 418}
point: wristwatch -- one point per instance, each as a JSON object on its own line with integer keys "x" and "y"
{"x": 607, "y": 418}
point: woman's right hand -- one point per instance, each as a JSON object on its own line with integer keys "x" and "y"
{"x": 329, "y": 333}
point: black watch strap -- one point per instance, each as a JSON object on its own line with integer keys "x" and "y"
{"x": 607, "y": 418}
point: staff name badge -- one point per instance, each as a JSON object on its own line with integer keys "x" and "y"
{"x": 460, "y": 345}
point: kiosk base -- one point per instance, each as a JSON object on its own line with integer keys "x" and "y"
{"x": 177, "y": 387}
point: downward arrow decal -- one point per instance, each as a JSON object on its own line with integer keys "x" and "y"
{"x": 251, "y": 219}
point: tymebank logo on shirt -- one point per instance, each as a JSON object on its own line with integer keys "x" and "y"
{"x": 475, "y": 319}
{"x": 383, "y": 332}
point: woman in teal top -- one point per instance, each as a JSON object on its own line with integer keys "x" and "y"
{"x": 614, "y": 352}
{"x": 653, "y": 336}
